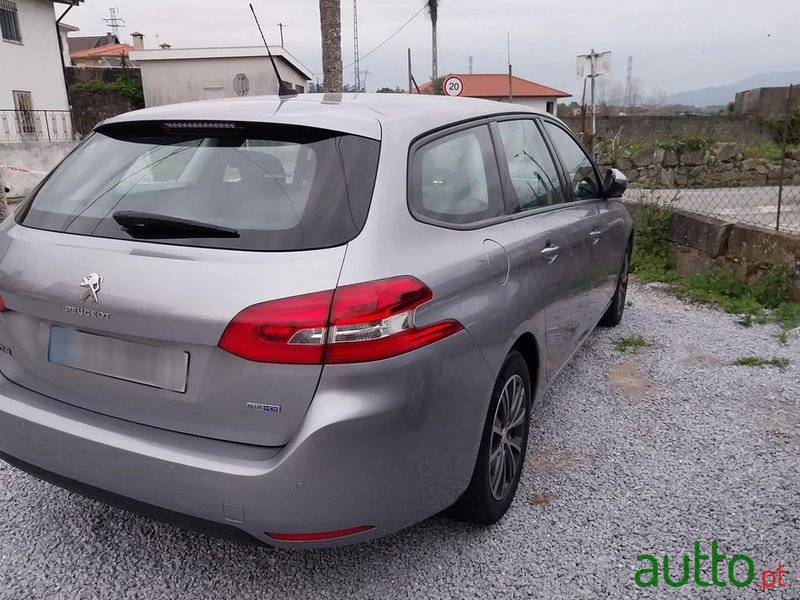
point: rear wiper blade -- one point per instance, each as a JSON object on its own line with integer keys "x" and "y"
{"x": 144, "y": 225}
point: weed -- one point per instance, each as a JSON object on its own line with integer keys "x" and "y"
{"x": 681, "y": 145}
{"x": 650, "y": 260}
{"x": 766, "y": 301}
{"x": 630, "y": 343}
{"x": 757, "y": 361}
{"x": 783, "y": 338}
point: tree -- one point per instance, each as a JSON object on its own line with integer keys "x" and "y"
{"x": 388, "y": 90}
{"x": 433, "y": 11}
{"x": 330, "y": 19}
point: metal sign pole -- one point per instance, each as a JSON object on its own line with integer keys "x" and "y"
{"x": 594, "y": 111}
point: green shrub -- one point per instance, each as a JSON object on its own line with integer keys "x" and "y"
{"x": 681, "y": 145}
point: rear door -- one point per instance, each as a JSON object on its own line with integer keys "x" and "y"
{"x": 556, "y": 232}
{"x": 135, "y": 255}
{"x": 481, "y": 264}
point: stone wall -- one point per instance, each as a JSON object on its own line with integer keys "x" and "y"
{"x": 698, "y": 243}
{"x": 90, "y": 108}
{"x": 718, "y": 165}
{"x": 650, "y": 129}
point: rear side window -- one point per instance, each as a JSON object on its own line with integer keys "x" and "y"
{"x": 579, "y": 169}
{"x": 253, "y": 188}
{"x": 454, "y": 179}
{"x": 533, "y": 173}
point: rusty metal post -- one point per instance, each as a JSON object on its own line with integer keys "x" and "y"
{"x": 787, "y": 123}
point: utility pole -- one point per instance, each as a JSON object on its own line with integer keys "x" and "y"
{"x": 281, "y": 25}
{"x": 510, "y": 76}
{"x": 410, "y": 76}
{"x": 470, "y": 65}
{"x": 355, "y": 46}
{"x": 366, "y": 73}
{"x": 114, "y": 21}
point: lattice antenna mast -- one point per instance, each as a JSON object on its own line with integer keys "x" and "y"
{"x": 629, "y": 84}
{"x": 357, "y": 62}
{"x": 114, "y": 21}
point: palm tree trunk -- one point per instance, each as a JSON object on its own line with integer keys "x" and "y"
{"x": 330, "y": 18}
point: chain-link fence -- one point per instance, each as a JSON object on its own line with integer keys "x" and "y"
{"x": 755, "y": 184}
{"x": 774, "y": 206}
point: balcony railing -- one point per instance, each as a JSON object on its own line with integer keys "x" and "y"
{"x": 36, "y": 126}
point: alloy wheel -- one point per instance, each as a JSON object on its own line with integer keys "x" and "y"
{"x": 508, "y": 431}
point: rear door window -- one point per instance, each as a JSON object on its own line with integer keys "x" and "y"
{"x": 534, "y": 177}
{"x": 454, "y": 179}
{"x": 253, "y": 188}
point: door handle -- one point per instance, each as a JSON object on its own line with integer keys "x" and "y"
{"x": 595, "y": 235}
{"x": 550, "y": 253}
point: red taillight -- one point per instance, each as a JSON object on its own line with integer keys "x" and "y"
{"x": 291, "y": 330}
{"x": 315, "y": 537}
{"x": 358, "y": 323}
{"x": 2, "y": 304}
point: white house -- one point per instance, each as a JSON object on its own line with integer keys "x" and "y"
{"x": 496, "y": 86}
{"x": 32, "y": 80}
{"x": 171, "y": 75}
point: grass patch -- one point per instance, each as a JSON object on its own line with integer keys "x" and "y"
{"x": 630, "y": 343}
{"x": 766, "y": 301}
{"x": 757, "y": 361}
{"x": 768, "y": 151}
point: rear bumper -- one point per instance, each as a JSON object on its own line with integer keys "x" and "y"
{"x": 384, "y": 444}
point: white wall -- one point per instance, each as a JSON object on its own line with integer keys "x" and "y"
{"x": 39, "y": 158}
{"x": 35, "y": 64}
{"x": 540, "y": 103}
{"x": 185, "y": 80}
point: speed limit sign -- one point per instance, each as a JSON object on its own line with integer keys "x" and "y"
{"x": 453, "y": 86}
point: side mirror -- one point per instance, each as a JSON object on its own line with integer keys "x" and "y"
{"x": 615, "y": 184}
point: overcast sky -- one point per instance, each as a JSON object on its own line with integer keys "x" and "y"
{"x": 677, "y": 45}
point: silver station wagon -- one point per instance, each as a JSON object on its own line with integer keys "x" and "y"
{"x": 309, "y": 321}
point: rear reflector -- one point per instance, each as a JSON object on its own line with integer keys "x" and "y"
{"x": 315, "y": 537}
{"x": 356, "y": 323}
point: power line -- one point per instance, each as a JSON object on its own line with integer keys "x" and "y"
{"x": 384, "y": 42}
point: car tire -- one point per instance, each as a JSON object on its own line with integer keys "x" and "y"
{"x": 502, "y": 452}
{"x": 613, "y": 316}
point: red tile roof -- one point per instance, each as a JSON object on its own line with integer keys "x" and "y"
{"x": 101, "y": 51}
{"x": 495, "y": 85}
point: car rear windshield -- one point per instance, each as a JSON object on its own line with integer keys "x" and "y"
{"x": 262, "y": 187}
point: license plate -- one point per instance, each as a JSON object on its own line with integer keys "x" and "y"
{"x": 164, "y": 368}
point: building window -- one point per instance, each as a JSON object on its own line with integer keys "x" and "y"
{"x": 24, "y": 116}
{"x": 551, "y": 108}
{"x": 9, "y": 21}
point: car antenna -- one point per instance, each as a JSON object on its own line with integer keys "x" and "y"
{"x": 284, "y": 90}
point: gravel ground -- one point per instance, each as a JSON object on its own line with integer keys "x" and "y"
{"x": 642, "y": 452}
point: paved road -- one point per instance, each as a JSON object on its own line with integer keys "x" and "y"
{"x": 751, "y": 205}
{"x": 630, "y": 453}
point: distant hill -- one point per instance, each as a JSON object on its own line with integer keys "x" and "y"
{"x": 723, "y": 94}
